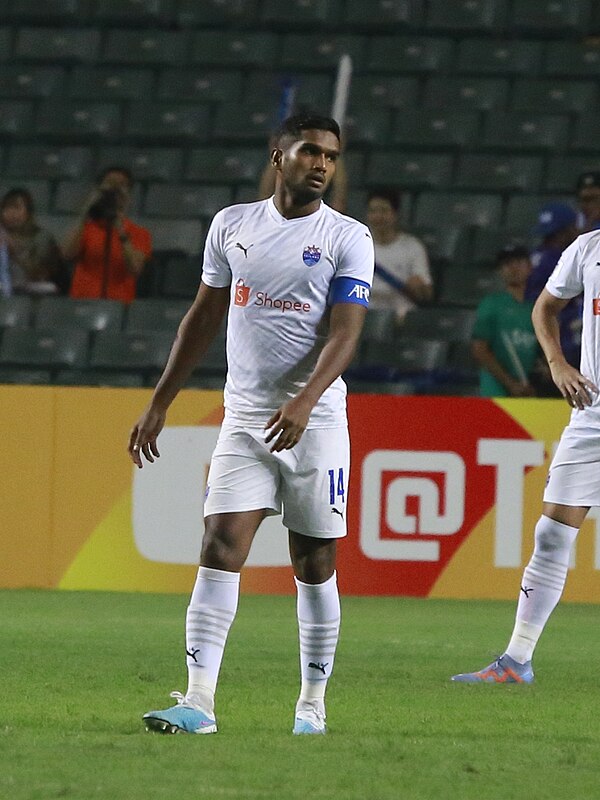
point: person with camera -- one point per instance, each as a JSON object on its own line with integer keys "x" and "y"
{"x": 108, "y": 249}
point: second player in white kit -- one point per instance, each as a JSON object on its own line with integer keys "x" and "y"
{"x": 573, "y": 485}
{"x": 294, "y": 275}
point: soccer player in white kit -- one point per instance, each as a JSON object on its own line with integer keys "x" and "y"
{"x": 573, "y": 485}
{"x": 295, "y": 275}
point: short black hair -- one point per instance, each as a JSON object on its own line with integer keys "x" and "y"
{"x": 512, "y": 252}
{"x": 306, "y": 121}
{"x": 116, "y": 168}
{"x": 388, "y": 193}
{"x": 18, "y": 193}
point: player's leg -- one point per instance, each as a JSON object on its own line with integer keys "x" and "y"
{"x": 572, "y": 488}
{"x": 314, "y": 493}
{"x": 241, "y": 490}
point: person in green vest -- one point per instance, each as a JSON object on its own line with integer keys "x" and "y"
{"x": 503, "y": 340}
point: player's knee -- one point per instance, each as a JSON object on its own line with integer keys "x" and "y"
{"x": 553, "y": 537}
{"x": 220, "y": 553}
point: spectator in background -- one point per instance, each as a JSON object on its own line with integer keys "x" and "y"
{"x": 109, "y": 250}
{"x": 31, "y": 262}
{"x": 503, "y": 339}
{"x": 588, "y": 199}
{"x": 402, "y": 276}
{"x": 557, "y": 229}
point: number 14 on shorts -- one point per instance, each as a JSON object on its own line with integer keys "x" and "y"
{"x": 336, "y": 485}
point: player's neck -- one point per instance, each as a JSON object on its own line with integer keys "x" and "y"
{"x": 290, "y": 208}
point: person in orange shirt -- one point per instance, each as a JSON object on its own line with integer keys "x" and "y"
{"x": 108, "y": 249}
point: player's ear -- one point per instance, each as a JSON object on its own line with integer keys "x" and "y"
{"x": 276, "y": 155}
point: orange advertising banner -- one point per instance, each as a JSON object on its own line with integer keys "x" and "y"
{"x": 444, "y": 496}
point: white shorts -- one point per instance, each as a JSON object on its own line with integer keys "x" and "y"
{"x": 574, "y": 476}
{"x": 309, "y": 483}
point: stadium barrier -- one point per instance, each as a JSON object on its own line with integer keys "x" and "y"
{"x": 444, "y": 496}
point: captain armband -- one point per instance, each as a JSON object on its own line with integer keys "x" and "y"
{"x": 349, "y": 290}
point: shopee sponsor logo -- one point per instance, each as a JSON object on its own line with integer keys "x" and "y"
{"x": 242, "y": 293}
{"x": 264, "y": 300}
{"x": 596, "y": 306}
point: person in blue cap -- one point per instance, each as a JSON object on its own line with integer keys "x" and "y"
{"x": 556, "y": 228}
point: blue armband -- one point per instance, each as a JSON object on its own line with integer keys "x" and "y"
{"x": 349, "y": 290}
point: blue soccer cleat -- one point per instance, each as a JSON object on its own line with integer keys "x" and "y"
{"x": 185, "y": 717}
{"x": 504, "y": 670}
{"x": 310, "y": 718}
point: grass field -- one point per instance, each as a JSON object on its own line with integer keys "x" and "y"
{"x": 78, "y": 670}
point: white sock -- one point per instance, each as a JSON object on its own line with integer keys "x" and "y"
{"x": 211, "y": 611}
{"x": 318, "y": 625}
{"x": 542, "y": 586}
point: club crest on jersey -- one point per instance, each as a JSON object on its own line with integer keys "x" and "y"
{"x": 311, "y": 255}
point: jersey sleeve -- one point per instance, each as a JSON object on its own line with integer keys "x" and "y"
{"x": 420, "y": 262}
{"x": 567, "y": 279}
{"x": 215, "y": 267}
{"x": 354, "y": 270}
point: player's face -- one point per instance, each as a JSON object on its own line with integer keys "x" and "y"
{"x": 308, "y": 164}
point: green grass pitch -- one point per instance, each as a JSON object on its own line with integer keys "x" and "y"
{"x": 79, "y": 669}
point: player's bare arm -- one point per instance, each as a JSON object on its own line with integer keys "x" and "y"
{"x": 290, "y": 420}
{"x": 196, "y": 331}
{"x": 574, "y": 387}
{"x": 485, "y": 357}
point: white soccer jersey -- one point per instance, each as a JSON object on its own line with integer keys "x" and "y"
{"x": 281, "y": 273}
{"x": 579, "y": 271}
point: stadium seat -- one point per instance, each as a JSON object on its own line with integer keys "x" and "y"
{"x": 585, "y": 134}
{"x": 435, "y": 128}
{"x": 495, "y": 57}
{"x": 182, "y": 277}
{"x": 367, "y": 126}
{"x": 146, "y": 163}
{"x": 137, "y": 13}
{"x": 409, "y": 170}
{"x": 466, "y": 93}
{"x": 295, "y": 14}
{"x": 406, "y": 355}
{"x": 168, "y": 122}
{"x": 6, "y": 37}
{"x": 24, "y": 376}
{"x": 458, "y": 209}
{"x": 16, "y": 118}
{"x": 48, "y": 349}
{"x": 402, "y": 54}
{"x": 150, "y": 47}
{"x": 379, "y": 326}
{"x": 226, "y": 165}
{"x": 55, "y": 12}
{"x": 15, "y": 312}
{"x": 157, "y": 314}
{"x": 499, "y": 173}
{"x": 130, "y": 351}
{"x": 58, "y": 313}
{"x": 444, "y": 324}
{"x": 522, "y": 210}
{"x": 551, "y": 96}
{"x": 562, "y": 171}
{"x": 70, "y": 196}
{"x": 389, "y": 91}
{"x": 78, "y": 119}
{"x": 466, "y": 287}
{"x": 383, "y": 14}
{"x": 487, "y": 243}
{"x": 521, "y": 131}
{"x": 185, "y": 200}
{"x": 185, "y": 235}
{"x": 320, "y": 52}
{"x": 99, "y": 378}
{"x": 192, "y": 14}
{"x": 549, "y": 16}
{"x": 46, "y": 161}
{"x": 573, "y": 59}
{"x": 26, "y": 80}
{"x": 244, "y": 123}
{"x": 311, "y": 90}
{"x": 234, "y": 49}
{"x": 444, "y": 243}
{"x": 358, "y": 386}
{"x": 57, "y": 45}
{"x": 468, "y": 16}
{"x": 200, "y": 85}
{"x": 110, "y": 83}
{"x": 463, "y": 365}
{"x": 40, "y": 191}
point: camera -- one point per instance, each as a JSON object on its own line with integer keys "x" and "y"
{"x": 106, "y": 206}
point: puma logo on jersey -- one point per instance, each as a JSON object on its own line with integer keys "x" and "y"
{"x": 244, "y": 249}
